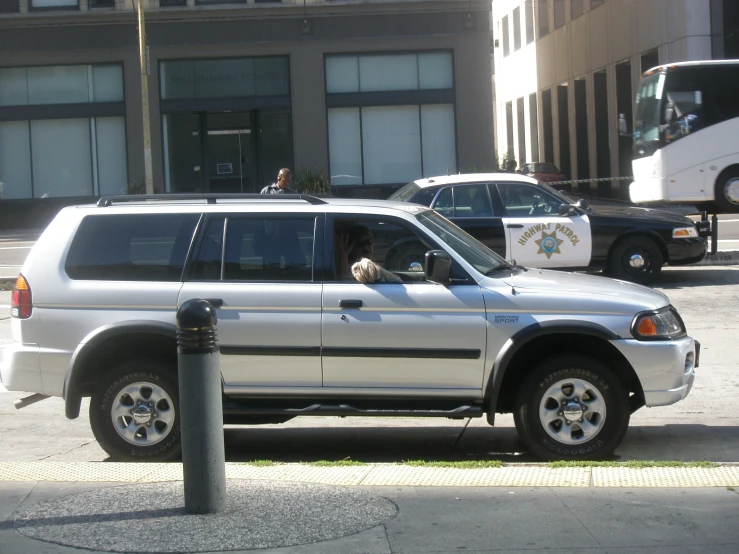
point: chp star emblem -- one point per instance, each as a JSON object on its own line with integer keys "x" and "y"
{"x": 548, "y": 244}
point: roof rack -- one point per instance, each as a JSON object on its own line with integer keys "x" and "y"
{"x": 106, "y": 201}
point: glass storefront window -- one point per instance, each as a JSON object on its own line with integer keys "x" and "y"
{"x": 63, "y": 157}
{"x": 48, "y": 4}
{"x": 393, "y": 144}
{"x": 388, "y": 72}
{"x": 224, "y": 78}
{"x": 62, "y": 163}
{"x": 60, "y": 84}
{"x": 110, "y": 133}
{"x": 15, "y": 160}
{"x": 439, "y": 148}
{"x": 345, "y": 146}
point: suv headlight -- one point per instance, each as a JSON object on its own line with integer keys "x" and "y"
{"x": 658, "y": 325}
{"x": 684, "y": 233}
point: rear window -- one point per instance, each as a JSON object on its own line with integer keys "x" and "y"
{"x": 131, "y": 247}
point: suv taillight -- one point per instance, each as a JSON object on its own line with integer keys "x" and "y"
{"x": 21, "y": 305}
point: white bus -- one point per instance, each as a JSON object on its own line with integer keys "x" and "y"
{"x": 686, "y": 135}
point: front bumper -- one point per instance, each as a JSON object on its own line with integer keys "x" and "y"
{"x": 661, "y": 367}
{"x": 686, "y": 251}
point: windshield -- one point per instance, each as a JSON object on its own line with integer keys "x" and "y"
{"x": 541, "y": 168}
{"x": 474, "y": 252}
{"x": 404, "y": 193}
{"x": 646, "y": 121}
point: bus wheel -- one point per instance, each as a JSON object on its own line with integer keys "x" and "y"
{"x": 727, "y": 190}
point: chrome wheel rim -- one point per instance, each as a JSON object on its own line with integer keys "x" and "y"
{"x": 731, "y": 190}
{"x": 636, "y": 261}
{"x": 572, "y": 411}
{"x": 142, "y": 413}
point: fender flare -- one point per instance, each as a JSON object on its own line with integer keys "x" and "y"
{"x": 72, "y": 391}
{"x": 523, "y": 337}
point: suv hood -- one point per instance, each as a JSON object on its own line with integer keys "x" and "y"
{"x": 583, "y": 287}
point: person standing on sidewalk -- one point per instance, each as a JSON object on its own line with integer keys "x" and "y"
{"x": 282, "y": 186}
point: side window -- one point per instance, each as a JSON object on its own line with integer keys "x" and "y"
{"x": 445, "y": 203}
{"x": 464, "y": 201}
{"x": 131, "y": 247}
{"x": 269, "y": 249}
{"x": 472, "y": 201}
{"x": 526, "y": 201}
{"x": 396, "y": 248}
{"x": 206, "y": 264}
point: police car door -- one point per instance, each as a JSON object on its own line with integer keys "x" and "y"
{"x": 536, "y": 235}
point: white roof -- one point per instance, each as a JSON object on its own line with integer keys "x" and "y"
{"x": 475, "y": 178}
{"x": 692, "y": 63}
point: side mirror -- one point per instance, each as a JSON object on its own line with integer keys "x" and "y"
{"x": 565, "y": 210}
{"x": 623, "y": 128}
{"x": 669, "y": 111}
{"x": 438, "y": 266}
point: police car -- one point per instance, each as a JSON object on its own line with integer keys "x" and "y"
{"x": 530, "y": 222}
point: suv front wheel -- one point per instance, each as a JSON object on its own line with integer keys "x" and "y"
{"x": 572, "y": 408}
{"x": 134, "y": 412}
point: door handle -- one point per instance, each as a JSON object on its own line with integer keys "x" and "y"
{"x": 350, "y": 303}
{"x": 515, "y": 226}
{"x": 217, "y": 302}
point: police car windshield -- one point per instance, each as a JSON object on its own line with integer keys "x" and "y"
{"x": 474, "y": 252}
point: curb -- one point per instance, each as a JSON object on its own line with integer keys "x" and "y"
{"x": 720, "y": 258}
{"x": 382, "y": 475}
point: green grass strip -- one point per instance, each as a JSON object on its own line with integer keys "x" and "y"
{"x": 336, "y": 463}
{"x": 631, "y": 463}
{"x": 465, "y": 464}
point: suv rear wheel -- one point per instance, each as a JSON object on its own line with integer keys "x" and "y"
{"x": 134, "y": 413}
{"x": 573, "y": 408}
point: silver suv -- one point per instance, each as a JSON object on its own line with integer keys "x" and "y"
{"x": 457, "y": 333}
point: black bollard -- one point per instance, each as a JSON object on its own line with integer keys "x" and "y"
{"x": 201, "y": 408}
{"x": 714, "y": 234}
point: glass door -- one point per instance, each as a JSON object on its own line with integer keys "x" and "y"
{"x": 230, "y": 153}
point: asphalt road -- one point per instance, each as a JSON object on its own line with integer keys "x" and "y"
{"x": 705, "y": 426}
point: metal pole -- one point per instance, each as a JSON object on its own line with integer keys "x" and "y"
{"x": 714, "y": 234}
{"x": 143, "y": 62}
{"x": 201, "y": 408}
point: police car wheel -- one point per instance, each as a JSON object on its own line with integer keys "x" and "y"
{"x": 134, "y": 412}
{"x": 572, "y": 407}
{"x": 637, "y": 259}
{"x": 727, "y": 191}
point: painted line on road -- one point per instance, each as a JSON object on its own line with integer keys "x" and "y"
{"x": 530, "y": 475}
{"x": 16, "y": 247}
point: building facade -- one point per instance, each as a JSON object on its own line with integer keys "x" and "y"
{"x": 371, "y": 93}
{"x": 567, "y": 72}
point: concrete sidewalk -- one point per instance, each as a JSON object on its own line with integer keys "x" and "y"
{"x": 298, "y": 508}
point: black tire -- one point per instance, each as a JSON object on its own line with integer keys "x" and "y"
{"x": 621, "y": 256}
{"x": 727, "y": 191}
{"x": 608, "y": 424}
{"x": 148, "y": 381}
